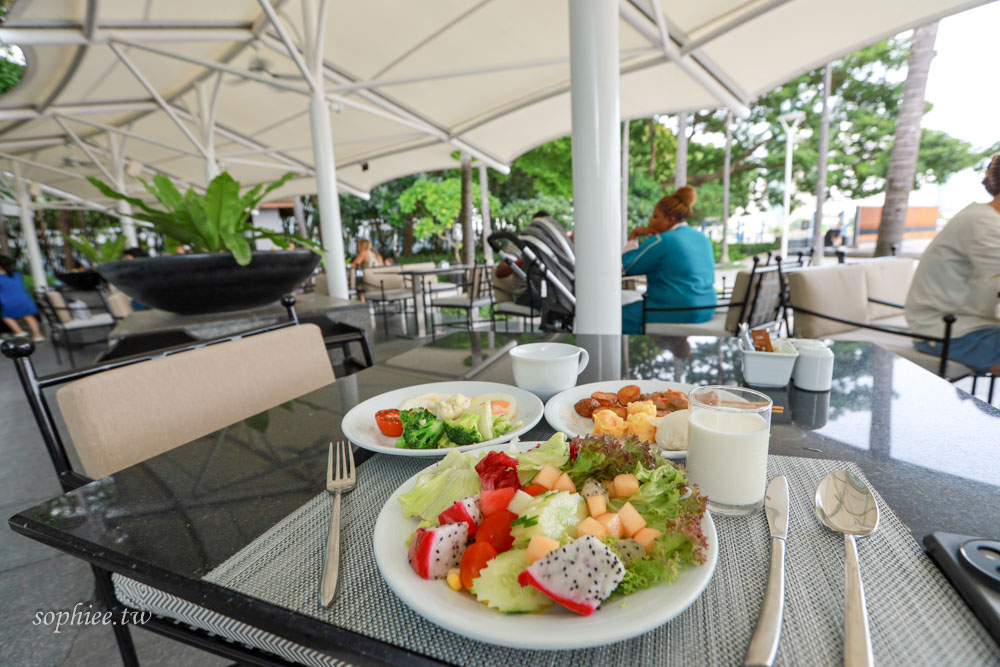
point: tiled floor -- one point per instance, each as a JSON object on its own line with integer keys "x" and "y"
{"x": 36, "y": 578}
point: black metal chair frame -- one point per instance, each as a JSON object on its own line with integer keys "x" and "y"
{"x": 480, "y": 287}
{"x": 756, "y": 272}
{"x": 59, "y": 335}
{"x": 382, "y": 304}
{"x": 20, "y": 350}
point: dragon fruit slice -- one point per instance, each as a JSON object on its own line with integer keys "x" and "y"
{"x": 465, "y": 510}
{"x": 579, "y": 576}
{"x": 434, "y": 551}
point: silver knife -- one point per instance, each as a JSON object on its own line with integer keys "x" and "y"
{"x": 764, "y": 643}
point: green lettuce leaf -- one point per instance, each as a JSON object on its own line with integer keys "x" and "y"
{"x": 555, "y": 451}
{"x": 439, "y": 486}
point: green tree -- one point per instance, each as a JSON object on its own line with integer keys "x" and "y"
{"x": 10, "y": 69}
{"x": 434, "y": 206}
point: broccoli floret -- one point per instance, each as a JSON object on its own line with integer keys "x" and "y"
{"x": 421, "y": 429}
{"x": 501, "y": 426}
{"x": 464, "y": 430}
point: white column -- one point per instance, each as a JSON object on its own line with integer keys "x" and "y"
{"x": 484, "y": 209}
{"x": 596, "y": 164}
{"x": 681, "y": 172}
{"x": 625, "y": 149}
{"x": 329, "y": 205}
{"x": 789, "y": 121}
{"x": 28, "y": 228}
{"x": 117, "y": 145}
{"x": 821, "y": 158}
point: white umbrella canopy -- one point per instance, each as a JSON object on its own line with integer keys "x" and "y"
{"x": 408, "y": 83}
{"x": 187, "y": 87}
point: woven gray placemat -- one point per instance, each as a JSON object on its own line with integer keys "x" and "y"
{"x": 916, "y": 617}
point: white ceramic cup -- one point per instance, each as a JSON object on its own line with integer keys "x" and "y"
{"x": 545, "y": 369}
{"x": 814, "y": 369}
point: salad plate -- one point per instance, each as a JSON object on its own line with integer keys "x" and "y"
{"x": 562, "y": 416}
{"x": 359, "y": 425}
{"x": 555, "y": 628}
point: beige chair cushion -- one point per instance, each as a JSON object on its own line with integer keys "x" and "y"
{"x": 58, "y": 304}
{"x": 840, "y": 290}
{"x": 383, "y": 276}
{"x": 124, "y": 416}
{"x": 717, "y": 326}
{"x": 888, "y": 279}
{"x": 739, "y": 294}
{"x": 119, "y": 304}
{"x": 903, "y": 346}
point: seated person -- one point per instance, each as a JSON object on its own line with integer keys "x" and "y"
{"x": 959, "y": 273}
{"x": 367, "y": 258}
{"x": 508, "y": 285}
{"x": 678, "y": 262}
{"x": 15, "y": 304}
{"x": 833, "y": 237}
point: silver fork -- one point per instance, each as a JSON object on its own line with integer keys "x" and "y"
{"x": 340, "y": 477}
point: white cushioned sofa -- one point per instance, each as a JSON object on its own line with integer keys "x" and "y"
{"x": 860, "y": 294}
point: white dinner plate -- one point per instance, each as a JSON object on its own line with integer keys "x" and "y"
{"x": 359, "y": 424}
{"x": 561, "y": 415}
{"x": 556, "y": 627}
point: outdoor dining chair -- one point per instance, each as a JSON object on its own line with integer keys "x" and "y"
{"x": 123, "y": 412}
{"x": 477, "y": 293}
{"x": 66, "y": 330}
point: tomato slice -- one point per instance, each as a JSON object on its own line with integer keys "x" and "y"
{"x": 534, "y": 489}
{"x": 495, "y": 529}
{"x": 475, "y": 559}
{"x": 388, "y": 422}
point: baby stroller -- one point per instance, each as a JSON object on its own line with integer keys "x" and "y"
{"x": 549, "y": 266}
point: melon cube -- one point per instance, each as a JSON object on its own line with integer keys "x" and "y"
{"x": 611, "y": 523}
{"x": 632, "y": 521}
{"x": 626, "y": 484}
{"x": 547, "y": 476}
{"x": 597, "y": 505}
{"x": 646, "y": 537}
{"x": 590, "y": 526}
{"x": 539, "y": 546}
{"x": 564, "y": 483}
{"x": 609, "y": 487}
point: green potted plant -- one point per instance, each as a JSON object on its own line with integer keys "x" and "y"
{"x": 221, "y": 271}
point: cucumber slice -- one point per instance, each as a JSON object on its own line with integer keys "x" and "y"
{"x": 554, "y": 514}
{"x": 497, "y": 585}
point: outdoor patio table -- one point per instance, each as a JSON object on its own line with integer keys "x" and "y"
{"x": 416, "y": 277}
{"x": 928, "y": 448}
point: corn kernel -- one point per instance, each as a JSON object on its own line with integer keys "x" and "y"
{"x": 454, "y": 579}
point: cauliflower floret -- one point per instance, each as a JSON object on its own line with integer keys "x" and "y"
{"x": 450, "y": 408}
{"x": 672, "y": 431}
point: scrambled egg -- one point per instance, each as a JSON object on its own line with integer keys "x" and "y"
{"x": 608, "y": 422}
{"x": 643, "y": 408}
{"x": 641, "y": 425}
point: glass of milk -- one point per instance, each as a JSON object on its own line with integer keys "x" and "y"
{"x": 728, "y": 432}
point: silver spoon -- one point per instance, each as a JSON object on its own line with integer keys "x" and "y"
{"x": 844, "y": 504}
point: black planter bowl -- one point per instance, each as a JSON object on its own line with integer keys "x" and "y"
{"x": 85, "y": 281}
{"x": 210, "y": 282}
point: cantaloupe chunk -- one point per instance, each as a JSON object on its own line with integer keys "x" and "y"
{"x": 597, "y": 505}
{"x": 611, "y": 523}
{"x": 626, "y": 484}
{"x": 547, "y": 476}
{"x": 539, "y": 546}
{"x": 564, "y": 483}
{"x": 632, "y": 521}
{"x": 590, "y": 526}
{"x": 646, "y": 537}
{"x": 609, "y": 486}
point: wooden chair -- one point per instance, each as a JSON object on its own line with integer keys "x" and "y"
{"x": 211, "y": 384}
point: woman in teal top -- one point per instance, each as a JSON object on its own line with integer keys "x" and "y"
{"x": 678, "y": 262}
